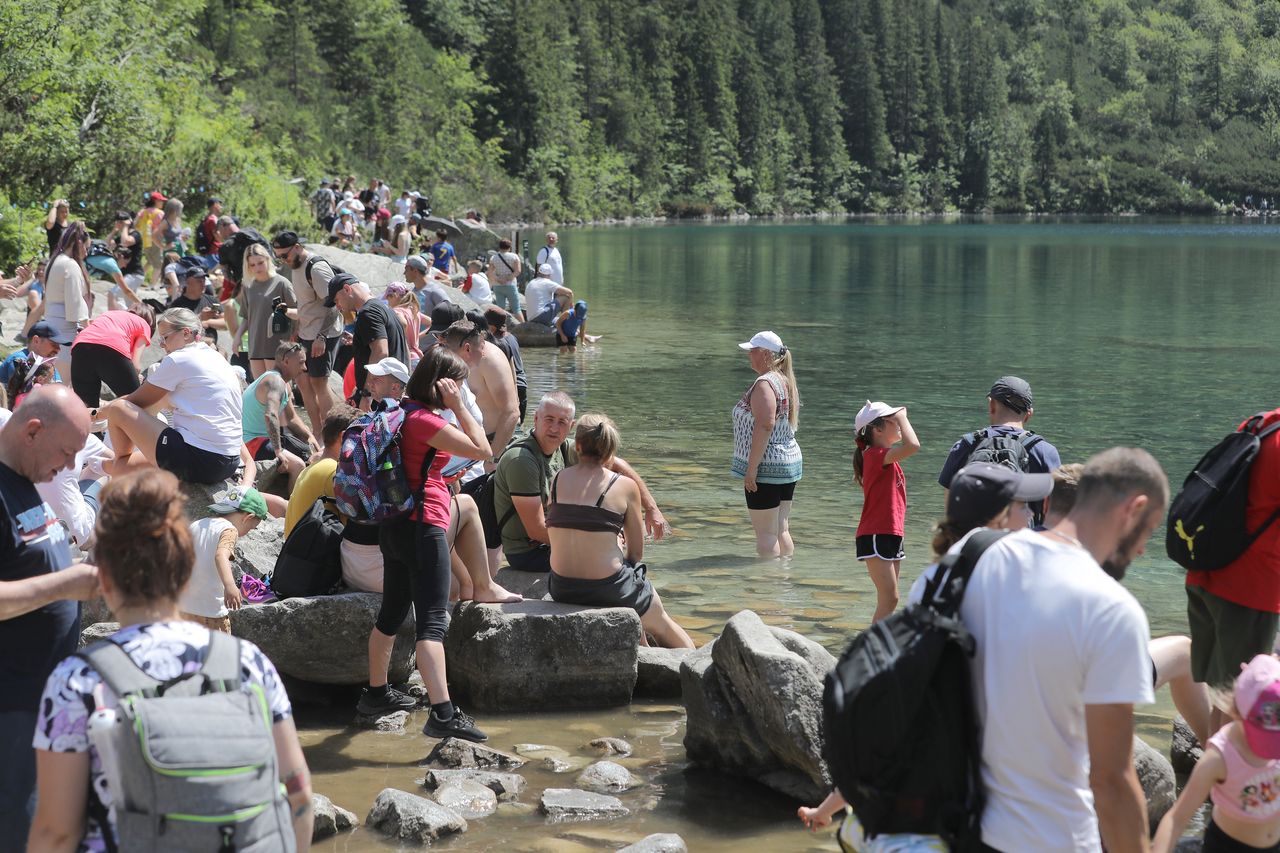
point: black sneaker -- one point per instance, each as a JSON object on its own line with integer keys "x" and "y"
{"x": 393, "y": 701}
{"x": 459, "y": 725}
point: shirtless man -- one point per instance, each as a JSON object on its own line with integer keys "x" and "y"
{"x": 492, "y": 380}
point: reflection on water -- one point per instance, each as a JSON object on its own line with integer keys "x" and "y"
{"x": 1145, "y": 333}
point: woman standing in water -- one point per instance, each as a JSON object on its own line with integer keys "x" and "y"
{"x": 765, "y": 453}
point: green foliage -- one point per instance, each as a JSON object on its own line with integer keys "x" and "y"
{"x": 568, "y": 109}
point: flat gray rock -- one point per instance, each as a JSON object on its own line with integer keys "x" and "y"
{"x": 393, "y": 722}
{"x": 408, "y": 817}
{"x": 330, "y": 819}
{"x": 606, "y": 777}
{"x": 540, "y": 655}
{"x": 565, "y": 804}
{"x": 324, "y": 639}
{"x": 454, "y": 754}
{"x": 658, "y": 675}
{"x": 505, "y": 785}
{"x": 467, "y": 798}
{"x": 662, "y": 842}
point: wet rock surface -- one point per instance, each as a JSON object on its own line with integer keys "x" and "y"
{"x": 566, "y": 804}
{"x": 658, "y": 672}
{"x": 606, "y": 777}
{"x": 454, "y": 753}
{"x": 505, "y": 785}
{"x": 1184, "y": 750}
{"x": 662, "y": 842}
{"x": 408, "y": 817}
{"x": 330, "y": 819}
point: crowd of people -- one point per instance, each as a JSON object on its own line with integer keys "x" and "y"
{"x": 1063, "y": 651}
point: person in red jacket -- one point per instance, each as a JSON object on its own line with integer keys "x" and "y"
{"x": 1234, "y": 611}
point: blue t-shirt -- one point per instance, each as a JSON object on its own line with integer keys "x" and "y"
{"x": 573, "y": 323}
{"x": 32, "y": 543}
{"x": 441, "y": 253}
{"x": 10, "y": 364}
{"x": 1043, "y": 456}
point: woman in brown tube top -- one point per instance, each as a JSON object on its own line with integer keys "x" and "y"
{"x": 590, "y": 508}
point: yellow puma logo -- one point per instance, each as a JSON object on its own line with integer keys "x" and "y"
{"x": 1189, "y": 539}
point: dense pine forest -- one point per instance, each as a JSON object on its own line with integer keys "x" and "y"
{"x": 563, "y": 109}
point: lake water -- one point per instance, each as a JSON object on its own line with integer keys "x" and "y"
{"x": 1159, "y": 334}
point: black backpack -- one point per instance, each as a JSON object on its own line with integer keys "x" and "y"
{"x": 202, "y": 240}
{"x": 315, "y": 259}
{"x": 231, "y": 255}
{"x": 902, "y": 736}
{"x": 1207, "y": 527}
{"x": 999, "y": 448}
{"x": 310, "y": 562}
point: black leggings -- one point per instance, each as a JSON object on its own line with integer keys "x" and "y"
{"x": 93, "y": 364}
{"x": 415, "y": 570}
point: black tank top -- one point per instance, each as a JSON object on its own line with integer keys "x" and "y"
{"x": 592, "y": 519}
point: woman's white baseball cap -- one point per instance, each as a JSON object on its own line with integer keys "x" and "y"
{"x": 764, "y": 340}
{"x": 868, "y": 414}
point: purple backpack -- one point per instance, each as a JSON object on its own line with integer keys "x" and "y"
{"x": 370, "y": 485}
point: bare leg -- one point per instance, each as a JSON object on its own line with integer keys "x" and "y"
{"x": 130, "y": 426}
{"x": 380, "y": 646}
{"x": 276, "y": 505}
{"x": 293, "y": 467}
{"x": 323, "y": 400}
{"x": 785, "y": 546}
{"x": 259, "y": 366}
{"x": 884, "y": 574}
{"x": 765, "y": 523}
{"x": 431, "y": 666}
{"x": 658, "y": 622}
{"x": 308, "y": 401}
{"x": 1172, "y": 658}
{"x": 460, "y": 588}
{"x": 467, "y": 540}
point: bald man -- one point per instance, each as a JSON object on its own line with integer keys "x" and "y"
{"x": 39, "y": 621}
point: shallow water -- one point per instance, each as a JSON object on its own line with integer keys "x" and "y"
{"x": 1152, "y": 333}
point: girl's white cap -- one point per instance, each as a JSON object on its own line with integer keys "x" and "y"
{"x": 764, "y": 340}
{"x": 868, "y": 413}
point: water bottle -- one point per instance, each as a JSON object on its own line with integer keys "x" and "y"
{"x": 391, "y": 486}
{"x": 102, "y": 730}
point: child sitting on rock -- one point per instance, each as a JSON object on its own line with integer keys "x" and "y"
{"x": 212, "y": 592}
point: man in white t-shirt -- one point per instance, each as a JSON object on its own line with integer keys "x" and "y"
{"x": 550, "y": 255}
{"x": 1061, "y": 661}
{"x": 544, "y": 299}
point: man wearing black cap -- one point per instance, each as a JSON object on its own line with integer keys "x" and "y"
{"x": 377, "y": 333}
{"x": 1007, "y": 441}
{"x": 43, "y": 341}
{"x": 194, "y": 298}
{"x": 319, "y": 324}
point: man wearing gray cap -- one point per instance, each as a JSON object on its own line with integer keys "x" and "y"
{"x": 1007, "y": 441}
{"x": 421, "y": 275}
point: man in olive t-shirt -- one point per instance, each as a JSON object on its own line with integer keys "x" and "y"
{"x": 522, "y": 485}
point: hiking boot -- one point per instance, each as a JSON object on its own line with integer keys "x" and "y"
{"x": 372, "y": 706}
{"x": 460, "y": 725}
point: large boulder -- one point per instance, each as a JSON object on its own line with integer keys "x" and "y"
{"x": 408, "y": 817}
{"x": 754, "y": 706}
{"x": 540, "y": 655}
{"x": 378, "y": 271}
{"x": 1155, "y": 774}
{"x": 257, "y": 551}
{"x": 473, "y": 240}
{"x": 324, "y": 639}
{"x": 531, "y": 585}
{"x": 1184, "y": 749}
{"x": 658, "y": 675}
{"x": 534, "y": 334}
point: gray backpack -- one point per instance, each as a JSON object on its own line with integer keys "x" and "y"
{"x": 195, "y": 758}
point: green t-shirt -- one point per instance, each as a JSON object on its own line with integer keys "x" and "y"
{"x": 525, "y": 471}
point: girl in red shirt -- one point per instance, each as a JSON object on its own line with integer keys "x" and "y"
{"x": 883, "y": 437}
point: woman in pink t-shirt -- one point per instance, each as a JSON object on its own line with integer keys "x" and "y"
{"x": 109, "y": 350}
{"x": 880, "y": 427}
{"x": 415, "y": 554}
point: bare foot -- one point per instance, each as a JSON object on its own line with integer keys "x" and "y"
{"x": 496, "y": 594}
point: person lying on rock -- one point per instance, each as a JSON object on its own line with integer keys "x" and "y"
{"x": 591, "y": 507}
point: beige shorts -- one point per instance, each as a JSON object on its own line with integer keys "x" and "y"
{"x": 213, "y": 623}
{"x": 362, "y": 566}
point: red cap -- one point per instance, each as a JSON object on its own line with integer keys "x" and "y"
{"x": 158, "y": 196}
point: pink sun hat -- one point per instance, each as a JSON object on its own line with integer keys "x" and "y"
{"x": 1258, "y": 700}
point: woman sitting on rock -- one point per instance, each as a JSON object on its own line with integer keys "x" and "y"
{"x": 590, "y": 507}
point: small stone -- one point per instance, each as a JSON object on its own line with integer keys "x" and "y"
{"x": 329, "y": 818}
{"x": 562, "y": 765}
{"x": 393, "y": 722}
{"x": 505, "y": 785}
{"x": 564, "y": 804}
{"x": 605, "y": 777}
{"x": 415, "y": 688}
{"x": 610, "y": 746}
{"x": 399, "y": 814}
{"x": 455, "y": 753}
{"x": 662, "y": 842}
{"x": 467, "y": 798}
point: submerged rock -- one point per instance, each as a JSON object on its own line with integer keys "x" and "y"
{"x": 324, "y": 639}
{"x": 468, "y": 798}
{"x": 505, "y": 785}
{"x": 658, "y": 675}
{"x": 754, "y": 704}
{"x": 1155, "y": 774}
{"x": 330, "y": 819}
{"x": 570, "y": 804}
{"x": 539, "y": 655}
{"x": 455, "y": 753}
{"x": 662, "y": 842}
{"x": 610, "y": 746}
{"x": 408, "y": 817}
{"x": 606, "y": 777}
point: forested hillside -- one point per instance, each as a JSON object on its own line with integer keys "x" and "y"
{"x": 589, "y": 108}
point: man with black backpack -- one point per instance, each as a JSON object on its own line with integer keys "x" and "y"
{"x": 1006, "y": 441}
{"x": 1234, "y": 610}
{"x": 319, "y": 325}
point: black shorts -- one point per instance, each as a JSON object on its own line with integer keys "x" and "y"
{"x": 193, "y": 464}
{"x": 537, "y": 560}
{"x": 881, "y": 545}
{"x": 266, "y": 450}
{"x": 1217, "y": 841}
{"x": 323, "y": 365}
{"x": 628, "y": 587}
{"x": 770, "y": 495}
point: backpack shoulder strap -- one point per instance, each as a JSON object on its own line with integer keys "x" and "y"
{"x": 117, "y": 669}
{"x": 222, "y": 662}
{"x": 311, "y": 262}
{"x": 974, "y": 438}
{"x": 954, "y": 571}
{"x": 1029, "y": 439}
